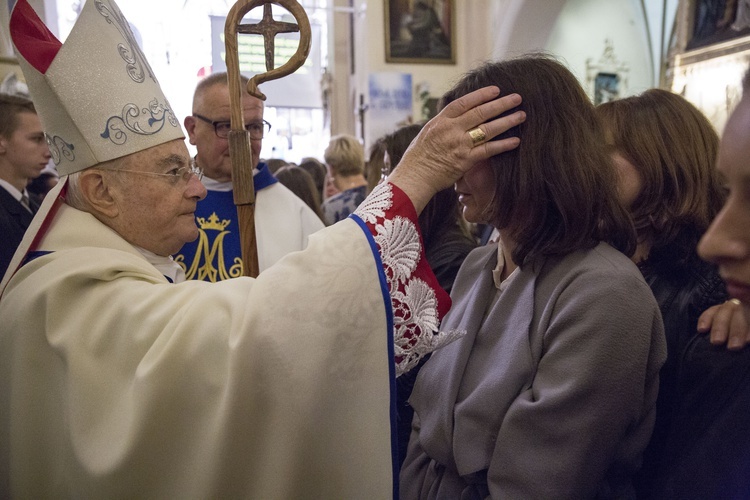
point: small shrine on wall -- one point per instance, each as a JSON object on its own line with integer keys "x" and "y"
{"x": 709, "y": 55}
{"x": 607, "y": 78}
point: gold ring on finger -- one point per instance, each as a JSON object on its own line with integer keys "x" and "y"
{"x": 477, "y": 136}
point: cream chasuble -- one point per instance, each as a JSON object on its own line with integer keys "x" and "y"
{"x": 115, "y": 383}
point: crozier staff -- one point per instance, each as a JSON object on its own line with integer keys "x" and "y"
{"x": 239, "y": 142}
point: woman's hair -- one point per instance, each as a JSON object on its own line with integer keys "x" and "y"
{"x": 275, "y": 164}
{"x": 300, "y": 183}
{"x": 316, "y": 170}
{"x": 375, "y": 166}
{"x": 345, "y": 155}
{"x": 443, "y": 211}
{"x": 673, "y": 148}
{"x": 398, "y": 142}
{"x": 555, "y": 193}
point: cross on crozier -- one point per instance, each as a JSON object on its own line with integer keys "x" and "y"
{"x": 269, "y": 28}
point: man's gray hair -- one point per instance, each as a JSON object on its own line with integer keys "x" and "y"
{"x": 74, "y": 196}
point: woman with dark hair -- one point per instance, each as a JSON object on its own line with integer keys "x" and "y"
{"x": 664, "y": 149}
{"x": 551, "y": 393}
{"x": 317, "y": 171}
{"x": 301, "y": 183}
{"x": 375, "y": 165}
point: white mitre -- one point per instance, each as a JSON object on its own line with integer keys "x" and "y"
{"x": 96, "y": 94}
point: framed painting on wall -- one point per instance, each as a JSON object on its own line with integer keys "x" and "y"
{"x": 420, "y": 31}
{"x": 718, "y": 21}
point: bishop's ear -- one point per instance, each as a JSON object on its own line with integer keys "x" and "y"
{"x": 98, "y": 189}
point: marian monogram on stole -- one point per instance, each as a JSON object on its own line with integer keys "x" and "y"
{"x": 208, "y": 263}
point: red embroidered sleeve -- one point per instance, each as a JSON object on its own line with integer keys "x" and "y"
{"x": 418, "y": 301}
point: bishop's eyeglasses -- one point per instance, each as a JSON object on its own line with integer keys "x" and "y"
{"x": 257, "y": 129}
{"x": 176, "y": 174}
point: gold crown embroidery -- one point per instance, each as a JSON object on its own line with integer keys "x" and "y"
{"x": 214, "y": 267}
{"x": 213, "y": 222}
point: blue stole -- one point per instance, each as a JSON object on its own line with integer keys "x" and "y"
{"x": 216, "y": 254}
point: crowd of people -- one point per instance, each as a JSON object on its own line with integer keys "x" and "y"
{"x": 593, "y": 348}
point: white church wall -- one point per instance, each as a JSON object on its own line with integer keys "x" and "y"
{"x": 580, "y": 32}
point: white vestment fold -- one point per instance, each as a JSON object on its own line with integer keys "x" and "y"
{"x": 271, "y": 388}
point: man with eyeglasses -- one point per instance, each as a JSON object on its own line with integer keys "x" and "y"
{"x": 283, "y": 222}
{"x": 119, "y": 379}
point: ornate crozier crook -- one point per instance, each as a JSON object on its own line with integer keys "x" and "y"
{"x": 239, "y": 140}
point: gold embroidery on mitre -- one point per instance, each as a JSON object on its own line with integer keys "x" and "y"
{"x": 214, "y": 268}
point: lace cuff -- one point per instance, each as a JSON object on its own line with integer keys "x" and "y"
{"x": 418, "y": 302}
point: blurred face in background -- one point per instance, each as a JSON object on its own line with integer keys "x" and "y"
{"x": 330, "y": 188}
{"x": 727, "y": 241}
{"x": 629, "y": 180}
{"x": 213, "y": 151}
{"x": 24, "y": 154}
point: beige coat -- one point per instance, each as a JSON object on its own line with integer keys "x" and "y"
{"x": 552, "y": 392}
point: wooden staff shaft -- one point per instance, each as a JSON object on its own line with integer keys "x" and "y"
{"x": 239, "y": 139}
{"x": 244, "y": 198}
{"x": 242, "y": 159}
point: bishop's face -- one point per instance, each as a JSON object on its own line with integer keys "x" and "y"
{"x": 727, "y": 241}
{"x": 157, "y": 212}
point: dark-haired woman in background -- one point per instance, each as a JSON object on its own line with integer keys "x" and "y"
{"x": 665, "y": 150}
{"x": 302, "y": 184}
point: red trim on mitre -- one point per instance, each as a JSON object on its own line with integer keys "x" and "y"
{"x": 32, "y": 38}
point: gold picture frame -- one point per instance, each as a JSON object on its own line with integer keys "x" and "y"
{"x": 420, "y": 31}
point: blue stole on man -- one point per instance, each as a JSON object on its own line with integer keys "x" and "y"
{"x": 216, "y": 254}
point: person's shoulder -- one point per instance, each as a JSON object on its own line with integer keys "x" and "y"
{"x": 6, "y": 197}
{"x": 599, "y": 268}
{"x": 605, "y": 258}
{"x": 282, "y": 197}
{"x": 335, "y": 199}
{"x": 276, "y": 190}
{"x": 478, "y": 257}
{"x": 285, "y": 199}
